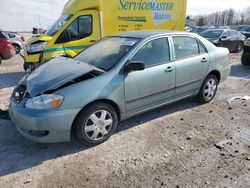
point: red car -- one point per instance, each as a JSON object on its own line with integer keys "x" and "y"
{"x": 6, "y": 49}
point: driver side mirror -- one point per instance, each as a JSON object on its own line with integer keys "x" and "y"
{"x": 134, "y": 66}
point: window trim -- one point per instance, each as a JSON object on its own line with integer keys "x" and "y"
{"x": 149, "y": 40}
{"x": 191, "y": 56}
{"x": 77, "y": 18}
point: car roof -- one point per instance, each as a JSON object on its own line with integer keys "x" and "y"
{"x": 147, "y": 34}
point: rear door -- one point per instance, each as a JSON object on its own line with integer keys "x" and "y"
{"x": 191, "y": 61}
{"x": 153, "y": 86}
{"x": 234, "y": 39}
{"x": 83, "y": 31}
{"x": 227, "y": 40}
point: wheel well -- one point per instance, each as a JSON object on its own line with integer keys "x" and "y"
{"x": 15, "y": 44}
{"x": 217, "y": 74}
{"x": 110, "y": 102}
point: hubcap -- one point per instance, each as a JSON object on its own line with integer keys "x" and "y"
{"x": 98, "y": 125}
{"x": 16, "y": 49}
{"x": 210, "y": 89}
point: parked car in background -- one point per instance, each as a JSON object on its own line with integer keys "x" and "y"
{"x": 199, "y": 30}
{"x": 17, "y": 41}
{"x": 38, "y": 31}
{"x": 116, "y": 78}
{"x": 6, "y": 49}
{"x": 231, "y": 39}
{"x": 245, "y": 31}
{"x": 245, "y": 59}
{"x": 237, "y": 27}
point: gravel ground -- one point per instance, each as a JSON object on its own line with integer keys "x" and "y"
{"x": 182, "y": 145}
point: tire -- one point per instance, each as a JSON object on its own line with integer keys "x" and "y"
{"x": 91, "y": 128}
{"x": 208, "y": 92}
{"x": 239, "y": 48}
{"x": 17, "y": 48}
{"x": 245, "y": 59}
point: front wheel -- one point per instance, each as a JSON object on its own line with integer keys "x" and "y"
{"x": 208, "y": 89}
{"x": 96, "y": 124}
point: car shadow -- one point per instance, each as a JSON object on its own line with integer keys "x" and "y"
{"x": 238, "y": 70}
{"x": 18, "y": 154}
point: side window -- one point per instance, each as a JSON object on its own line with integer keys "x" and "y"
{"x": 233, "y": 33}
{"x": 154, "y": 53}
{"x": 85, "y": 26}
{"x": 73, "y": 31}
{"x": 186, "y": 47}
{"x": 201, "y": 49}
{"x": 11, "y": 35}
{"x": 80, "y": 28}
{"x": 1, "y": 35}
{"x": 225, "y": 34}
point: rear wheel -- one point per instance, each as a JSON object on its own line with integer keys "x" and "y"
{"x": 239, "y": 48}
{"x": 245, "y": 59}
{"x": 96, "y": 124}
{"x": 208, "y": 89}
{"x": 17, "y": 48}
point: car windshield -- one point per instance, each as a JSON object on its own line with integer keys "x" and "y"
{"x": 212, "y": 33}
{"x": 58, "y": 24}
{"x": 107, "y": 53}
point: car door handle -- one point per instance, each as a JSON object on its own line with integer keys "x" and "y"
{"x": 169, "y": 69}
{"x": 204, "y": 60}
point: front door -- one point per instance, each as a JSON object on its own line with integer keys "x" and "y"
{"x": 192, "y": 61}
{"x": 153, "y": 86}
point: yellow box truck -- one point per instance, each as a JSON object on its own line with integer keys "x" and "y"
{"x": 83, "y": 22}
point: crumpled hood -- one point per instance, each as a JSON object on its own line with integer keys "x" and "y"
{"x": 54, "y": 74}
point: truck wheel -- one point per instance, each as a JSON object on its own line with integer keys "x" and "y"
{"x": 245, "y": 59}
{"x": 96, "y": 123}
{"x": 208, "y": 89}
{"x": 17, "y": 48}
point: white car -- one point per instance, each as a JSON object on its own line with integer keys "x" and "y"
{"x": 17, "y": 41}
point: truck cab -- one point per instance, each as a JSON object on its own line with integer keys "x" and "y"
{"x": 84, "y": 22}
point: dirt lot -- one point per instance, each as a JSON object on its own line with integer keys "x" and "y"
{"x": 181, "y": 145}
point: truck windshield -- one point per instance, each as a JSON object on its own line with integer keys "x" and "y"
{"x": 107, "y": 53}
{"x": 58, "y": 24}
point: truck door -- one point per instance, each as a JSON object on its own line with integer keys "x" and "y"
{"x": 83, "y": 31}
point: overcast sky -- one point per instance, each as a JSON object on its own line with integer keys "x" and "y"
{"x": 18, "y": 15}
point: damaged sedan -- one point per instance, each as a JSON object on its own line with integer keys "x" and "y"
{"x": 116, "y": 78}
